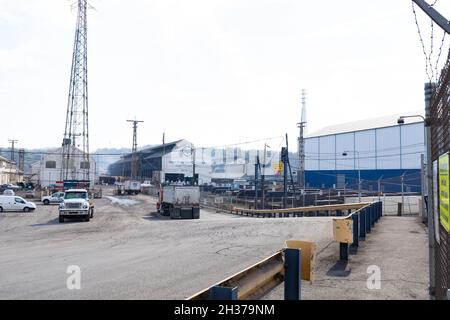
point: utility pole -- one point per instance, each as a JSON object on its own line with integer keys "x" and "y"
{"x": 257, "y": 167}
{"x": 301, "y": 144}
{"x": 13, "y": 143}
{"x": 284, "y": 161}
{"x": 134, "y": 161}
{"x": 193, "y": 164}
{"x": 163, "y": 167}
{"x": 263, "y": 176}
{"x": 21, "y": 165}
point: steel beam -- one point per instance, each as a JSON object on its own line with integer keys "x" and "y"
{"x": 439, "y": 19}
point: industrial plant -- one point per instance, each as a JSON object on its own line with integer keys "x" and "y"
{"x": 357, "y": 210}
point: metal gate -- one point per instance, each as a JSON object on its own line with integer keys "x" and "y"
{"x": 440, "y": 144}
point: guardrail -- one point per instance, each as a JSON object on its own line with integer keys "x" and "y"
{"x": 351, "y": 229}
{"x": 326, "y": 210}
{"x": 289, "y": 265}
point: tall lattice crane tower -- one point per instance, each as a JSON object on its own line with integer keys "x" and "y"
{"x": 134, "y": 155}
{"x": 301, "y": 143}
{"x": 76, "y": 134}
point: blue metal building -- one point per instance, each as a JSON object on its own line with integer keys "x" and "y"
{"x": 377, "y": 149}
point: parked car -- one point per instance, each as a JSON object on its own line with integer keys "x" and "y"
{"x": 30, "y": 194}
{"x": 13, "y": 203}
{"x": 8, "y": 192}
{"x": 12, "y": 187}
{"x": 57, "y": 197}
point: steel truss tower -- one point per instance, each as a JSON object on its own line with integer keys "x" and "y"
{"x": 134, "y": 160}
{"x": 76, "y": 134}
{"x": 301, "y": 144}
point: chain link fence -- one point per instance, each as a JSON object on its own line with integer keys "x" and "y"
{"x": 440, "y": 144}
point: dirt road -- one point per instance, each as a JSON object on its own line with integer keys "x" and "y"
{"x": 128, "y": 252}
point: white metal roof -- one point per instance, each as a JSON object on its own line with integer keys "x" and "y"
{"x": 367, "y": 124}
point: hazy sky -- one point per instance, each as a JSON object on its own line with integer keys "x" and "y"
{"x": 213, "y": 72}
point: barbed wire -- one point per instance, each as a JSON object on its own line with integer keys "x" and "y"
{"x": 429, "y": 68}
{"x": 421, "y": 41}
{"x": 439, "y": 56}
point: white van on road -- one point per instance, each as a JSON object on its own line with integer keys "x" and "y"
{"x": 14, "y": 203}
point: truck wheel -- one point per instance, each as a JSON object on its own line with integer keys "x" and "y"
{"x": 61, "y": 219}
{"x": 46, "y": 202}
{"x": 26, "y": 209}
{"x": 1, "y": 209}
{"x": 87, "y": 219}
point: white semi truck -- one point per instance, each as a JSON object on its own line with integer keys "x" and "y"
{"x": 179, "y": 202}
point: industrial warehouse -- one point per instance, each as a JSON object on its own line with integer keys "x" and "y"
{"x": 248, "y": 200}
{"x": 378, "y": 151}
{"x": 174, "y": 161}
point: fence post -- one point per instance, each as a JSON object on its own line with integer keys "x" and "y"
{"x": 223, "y": 293}
{"x": 355, "y": 230}
{"x": 292, "y": 280}
{"x": 372, "y": 210}
{"x": 367, "y": 220}
{"x": 380, "y": 208}
{"x": 343, "y": 251}
{"x": 362, "y": 224}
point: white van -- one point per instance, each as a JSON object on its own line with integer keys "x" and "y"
{"x": 14, "y": 203}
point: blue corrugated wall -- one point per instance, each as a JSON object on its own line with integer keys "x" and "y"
{"x": 390, "y": 179}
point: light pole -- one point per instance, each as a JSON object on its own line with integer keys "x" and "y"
{"x": 430, "y": 199}
{"x": 345, "y": 153}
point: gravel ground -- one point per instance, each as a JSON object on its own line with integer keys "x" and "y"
{"x": 129, "y": 252}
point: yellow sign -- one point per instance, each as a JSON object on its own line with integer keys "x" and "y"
{"x": 278, "y": 167}
{"x": 343, "y": 230}
{"x": 444, "y": 191}
{"x": 308, "y": 257}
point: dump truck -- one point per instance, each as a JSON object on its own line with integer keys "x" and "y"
{"x": 179, "y": 202}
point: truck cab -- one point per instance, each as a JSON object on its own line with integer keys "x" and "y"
{"x": 77, "y": 204}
